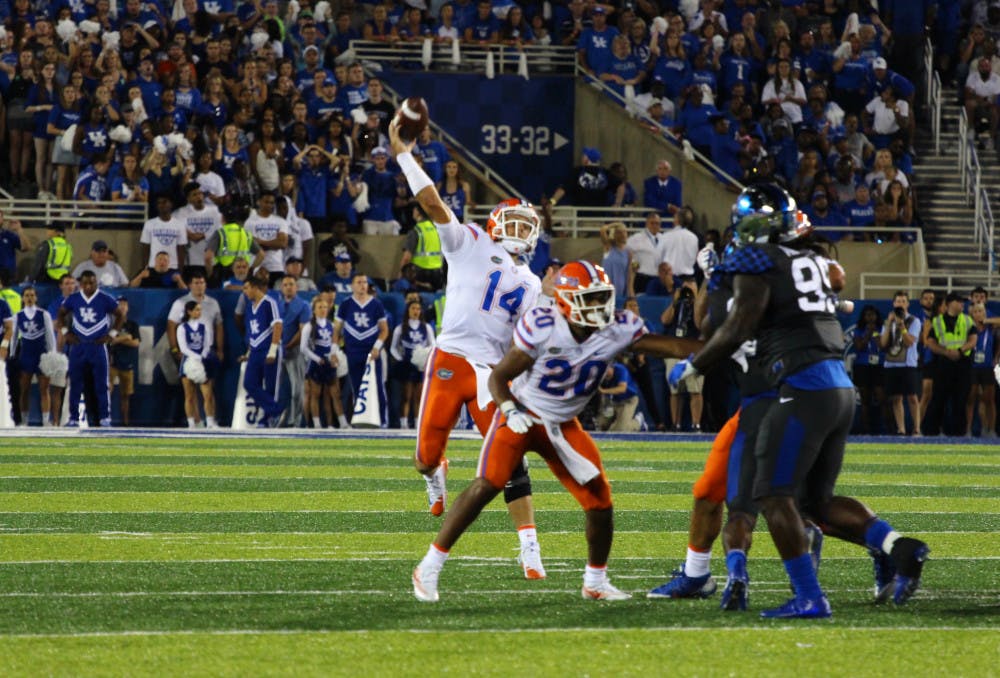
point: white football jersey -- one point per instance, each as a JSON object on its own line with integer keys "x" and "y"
{"x": 566, "y": 372}
{"x": 487, "y": 293}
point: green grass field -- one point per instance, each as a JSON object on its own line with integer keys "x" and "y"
{"x": 263, "y": 557}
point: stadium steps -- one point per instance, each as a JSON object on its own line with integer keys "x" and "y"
{"x": 944, "y": 210}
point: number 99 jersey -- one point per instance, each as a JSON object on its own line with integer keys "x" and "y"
{"x": 566, "y": 372}
{"x": 799, "y": 327}
{"x": 486, "y": 294}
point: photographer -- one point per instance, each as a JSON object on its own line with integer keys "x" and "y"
{"x": 867, "y": 371}
{"x": 902, "y": 376}
{"x": 620, "y": 399}
{"x": 678, "y": 321}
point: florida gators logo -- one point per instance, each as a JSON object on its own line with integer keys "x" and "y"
{"x": 444, "y": 374}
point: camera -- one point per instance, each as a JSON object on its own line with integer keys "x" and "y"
{"x": 898, "y": 312}
{"x": 687, "y": 294}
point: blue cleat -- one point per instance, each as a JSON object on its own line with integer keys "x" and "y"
{"x": 683, "y": 586}
{"x": 885, "y": 571}
{"x": 908, "y": 556}
{"x": 800, "y": 608}
{"x": 814, "y": 538}
{"x": 736, "y": 594}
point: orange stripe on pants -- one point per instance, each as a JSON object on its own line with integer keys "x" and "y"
{"x": 449, "y": 383}
{"x": 503, "y": 450}
{"x": 712, "y": 483}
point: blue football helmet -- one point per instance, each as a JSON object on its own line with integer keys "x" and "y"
{"x": 766, "y": 213}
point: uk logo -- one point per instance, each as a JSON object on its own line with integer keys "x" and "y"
{"x": 254, "y": 327}
{"x": 88, "y": 316}
{"x": 361, "y": 320}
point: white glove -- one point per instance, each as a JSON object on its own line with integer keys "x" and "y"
{"x": 517, "y": 421}
{"x": 996, "y": 373}
{"x": 707, "y": 259}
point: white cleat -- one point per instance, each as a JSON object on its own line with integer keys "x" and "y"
{"x": 437, "y": 493}
{"x": 531, "y": 561}
{"x": 425, "y": 584}
{"x": 604, "y": 591}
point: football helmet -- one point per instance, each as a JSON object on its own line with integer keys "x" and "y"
{"x": 766, "y": 213}
{"x": 585, "y": 295}
{"x": 504, "y": 221}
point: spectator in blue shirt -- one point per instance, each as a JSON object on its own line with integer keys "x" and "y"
{"x": 672, "y": 67}
{"x": 622, "y": 394}
{"x": 813, "y": 64}
{"x": 434, "y": 154}
{"x": 594, "y": 45}
{"x": 93, "y": 184}
{"x": 861, "y": 210}
{"x": 693, "y": 123}
{"x": 12, "y": 239}
{"x": 381, "y": 183}
{"x": 485, "y": 27}
{"x": 315, "y": 182}
{"x": 821, "y": 214}
{"x": 726, "y": 150}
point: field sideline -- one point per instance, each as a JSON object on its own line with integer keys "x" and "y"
{"x": 291, "y": 555}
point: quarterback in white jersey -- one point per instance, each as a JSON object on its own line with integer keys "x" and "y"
{"x": 556, "y": 363}
{"x": 488, "y": 291}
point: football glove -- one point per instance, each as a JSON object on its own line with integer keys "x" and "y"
{"x": 517, "y": 421}
{"x": 682, "y": 371}
{"x": 707, "y": 259}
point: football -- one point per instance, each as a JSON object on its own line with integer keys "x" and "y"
{"x": 412, "y": 118}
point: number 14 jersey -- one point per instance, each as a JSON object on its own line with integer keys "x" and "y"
{"x": 486, "y": 294}
{"x": 566, "y": 372}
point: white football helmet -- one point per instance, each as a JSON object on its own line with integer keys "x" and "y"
{"x": 505, "y": 219}
{"x": 585, "y": 295}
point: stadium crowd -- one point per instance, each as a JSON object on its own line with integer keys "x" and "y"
{"x": 251, "y": 132}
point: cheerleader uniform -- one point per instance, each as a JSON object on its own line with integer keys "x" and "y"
{"x": 406, "y": 337}
{"x": 316, "y": 344}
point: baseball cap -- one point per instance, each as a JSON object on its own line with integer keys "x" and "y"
{"x": 379, "y": 150}
{"x": 820, "y": 193}
{"x": 953, "y": 296}
{"x": 879, "y": 63}
{"x": 310, "y": 48}
{"x": 294, "y": 260}
{"x": 150, "y": 24}
{"x": 344, "y": 257}
{"x": 121, "y": 297}
{"x": 592, "y": 154}
{"x": 598, "y": 10}
{"x": 99, "y": 245}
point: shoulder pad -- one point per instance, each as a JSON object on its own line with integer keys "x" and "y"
{"x": 748, "y": 260}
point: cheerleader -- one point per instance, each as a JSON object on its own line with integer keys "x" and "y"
{"x": 408, "y": 337}
{"x": 316, "y": 344}
{"x": 33, "y": 337}
{"x": 195, "y": 339}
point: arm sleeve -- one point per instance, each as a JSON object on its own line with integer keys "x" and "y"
{"x": 305, "y": 344}
{"x": 182, "y": 344}
{"x": 209, "y": 340}
{"x": 396, "y": 348}
{"x": 50, "y": 332}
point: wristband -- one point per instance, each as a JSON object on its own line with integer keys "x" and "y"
{"x": 508, "y": 406}
{"x": 273, "y": 351}
{"x": 415, "y": 175}
{"x": 64, "y": 330}
{"x": 112, "y": 333}
{"x": 379, "y": 344}
{"x": 4, "y": 344}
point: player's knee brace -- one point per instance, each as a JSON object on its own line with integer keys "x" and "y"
{"x": 519, "y": 484}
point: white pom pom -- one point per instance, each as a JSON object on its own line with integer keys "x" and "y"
{"x": 185, "y": 149}
{"x": 160, "y": 144}
{"x": 194, "y": 369}
{"x": 66, "y": 30}
{"x": 322, "y": 11}
{"x": 660, "y": 25}
{"x": 3, "y": 33}
{"x": 359, "y": 116}
{"x": 111, "y": 40}
{"x": 121, "y": 134}
{"x": 66, "y": 141}
{"x": 90, "y": 27}
{"x": 259, "y": 39}
{"x": 341, "y": 362}
{"x": 419, "y": 357}
{"x": 843, "y": 51}
{"x": 174, "y": 139}
{"x": 53, "y": 363}
{"x": 293, "y": 10}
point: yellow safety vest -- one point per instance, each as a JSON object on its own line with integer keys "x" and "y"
{"x": 956, "y": 338}
{"x": 12, "y": 298}
{"x": 428, "y": 254}
{"x": 439, "y": 314}
{"x": 60, "y": 256}
{"x": 234, "y": 242}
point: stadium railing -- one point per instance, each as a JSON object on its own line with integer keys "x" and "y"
{"x": 877, "y": 285}
{"x": 984, "y": 228}
{"x": 488, "y": 59}
{"x": 39, "y": 213}
{"x": 932, "y": 94}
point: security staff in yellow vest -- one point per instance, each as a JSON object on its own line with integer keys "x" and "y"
{"x": 227, "y": 244}
{"x": 53, "y": 256}
{"x": 952, "y": 336}
{"x": 423, "y": 249}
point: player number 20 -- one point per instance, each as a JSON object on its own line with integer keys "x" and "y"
{"x": 561, "y": 374}
{"x": 812, "y": 281}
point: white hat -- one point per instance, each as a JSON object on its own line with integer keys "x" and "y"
{"x": 879, "y": 63}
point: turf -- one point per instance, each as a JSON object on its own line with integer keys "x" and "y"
{"x": 292, "y": 557}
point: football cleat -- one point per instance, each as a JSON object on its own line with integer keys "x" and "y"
{"x": 908, "y": 555}
{"x": 800, "y": 608}
{"x": 530, "y": 560}
{"x": 736, "y": 595}
{"x": 437, "y": 493}
{"x": 425, "y": 584}
{"x": 814, "y": 540}
{"x": 604, "y": 591}
{"x": 683, "y": 586}
{"x": 884, "y": 569}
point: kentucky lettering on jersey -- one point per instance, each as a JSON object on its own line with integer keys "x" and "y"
{"x": 360, "y": 323}
{"x": 261, "y": 318}
{"x": 91, "y": 316}
{"x": 566, "y": 373}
